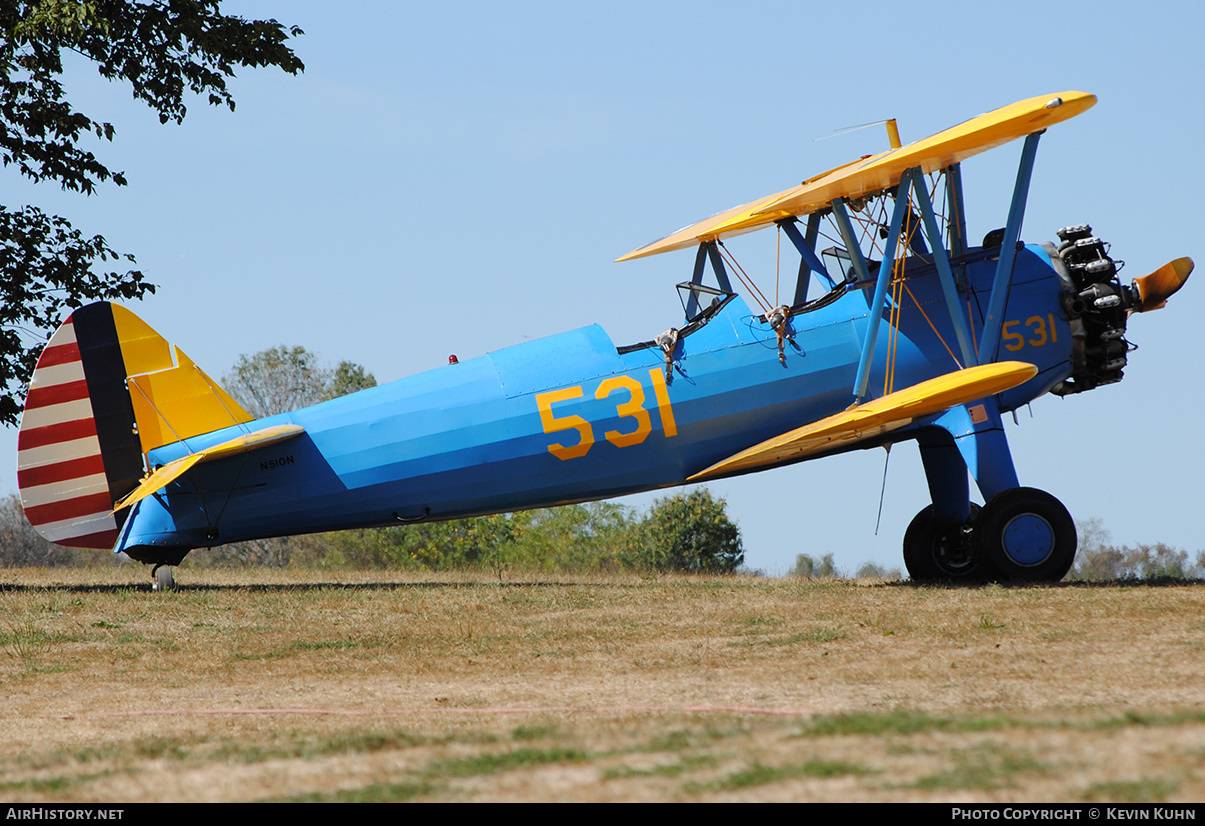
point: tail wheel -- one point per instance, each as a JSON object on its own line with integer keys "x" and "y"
{"x": 1026, "y": 535}
{"x": 935, "y": 551}
{"x": 164, "y": 578}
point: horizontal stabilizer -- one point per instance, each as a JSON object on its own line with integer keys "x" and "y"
{"x": 166, "y": 474}
{"x": 882, "y": 415}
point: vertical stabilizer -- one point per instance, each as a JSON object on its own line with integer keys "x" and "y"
{"x": 106, "y": 390}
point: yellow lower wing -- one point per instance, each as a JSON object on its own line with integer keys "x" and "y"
{"x": 882, "y": 415}
{"x": 166, "y": 474}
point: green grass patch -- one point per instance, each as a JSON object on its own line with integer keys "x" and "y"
{"x": 760, "y": 775}
{"x": 675, "y": 769}
{"x": 374, "y": 793}
{"x": 325, "y": 645}
{"x": 533, "y": 732}
{"x": 817, "y": 636}
{"x": 757, "y": 624}
{"x": 50, "y": 785}
{"x": 900, "y": 722}
{"x": 985, "y": 767}
{"x": 309, "y": 748}
{"x": 674, "y": 741}
{"x": 987, "y": 621}
{"x": 1144, "y": 790}
{"x": 1138, "y": 718}
{"x": 503, "y": 761}
{"x": 681, "y": 739}
{"x": 156, "y": 748}
{"x": 913, "y": 722}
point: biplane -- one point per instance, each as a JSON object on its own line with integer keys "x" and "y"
{"x": 898, "y": 329}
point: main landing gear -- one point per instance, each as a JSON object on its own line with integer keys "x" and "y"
{"x": 933, "y": 551}
{"x": 1020, "y": 535}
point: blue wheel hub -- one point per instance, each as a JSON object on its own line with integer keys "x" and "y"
{"x": 1028, "y": 539}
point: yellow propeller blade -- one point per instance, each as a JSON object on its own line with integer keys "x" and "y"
{"x": 882, "y": 415}
{"x": 1160, "y": 285}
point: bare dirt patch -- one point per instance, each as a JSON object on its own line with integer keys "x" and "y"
{"x": 268, "y": 685}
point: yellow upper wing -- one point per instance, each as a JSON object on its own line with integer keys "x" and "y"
{"x": 878, "y": 172}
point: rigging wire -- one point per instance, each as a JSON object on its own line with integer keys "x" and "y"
{"x": 933, "y": 327}
{"x": 147, "y": 398}
{"x": 213, "y": 389}
{"x": 744, "y": 278}
{"x": 777, "y": 262}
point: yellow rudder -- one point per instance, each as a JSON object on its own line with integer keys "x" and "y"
{"x": 173, "y": 398}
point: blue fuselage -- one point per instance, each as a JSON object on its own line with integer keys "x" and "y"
{"x": 573, "y": 418}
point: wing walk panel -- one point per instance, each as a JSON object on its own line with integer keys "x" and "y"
{"x": 882, "y": 415}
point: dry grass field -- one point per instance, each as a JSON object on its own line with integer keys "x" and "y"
{"x": 264, "y": 685}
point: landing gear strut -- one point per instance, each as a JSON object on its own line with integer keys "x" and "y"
{"x": 1020, "y": 535}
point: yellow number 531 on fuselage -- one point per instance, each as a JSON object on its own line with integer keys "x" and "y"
{"x": 633, "y": 408}
{"x": 1039, "y": 331}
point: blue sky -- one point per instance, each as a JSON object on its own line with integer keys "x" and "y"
{"x": 457, "y": 177}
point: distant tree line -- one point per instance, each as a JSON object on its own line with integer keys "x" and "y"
{"x": 1098, "y": 559}
{"x": 23, "y": 547}
{"x": 810, "y": 567}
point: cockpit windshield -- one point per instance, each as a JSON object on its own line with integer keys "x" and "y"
{"x": 699, "y": 301}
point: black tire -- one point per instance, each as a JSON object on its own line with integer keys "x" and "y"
{"x": 1026, "y": 535}
{"x": 934, "y": 552}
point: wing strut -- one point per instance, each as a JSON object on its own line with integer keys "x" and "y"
{"x": 850, "y": 238}
{"x": 707, "y": 251}
{"x": 910, "y": 179}
{"x": 944, "y": 274}
{"x": 808, "y": 260}
{"x": 1008, "y": 251}
{"x": 880, "y": 289}
{"x": 958, "y": 216}
{"x": 913, "y": 180}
